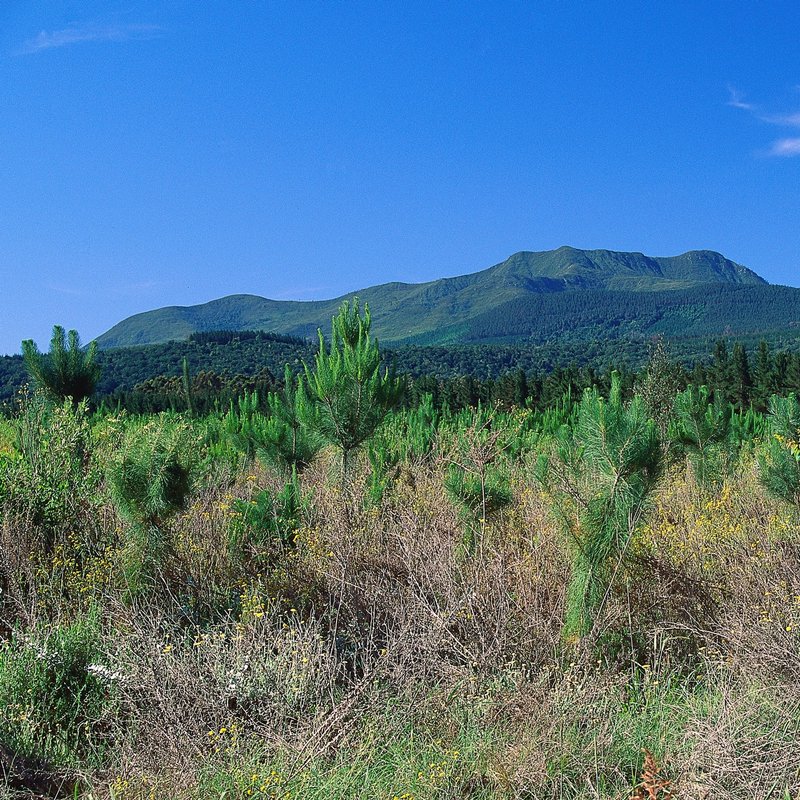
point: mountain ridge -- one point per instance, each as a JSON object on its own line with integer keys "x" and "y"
{"x": 404, "y": 312}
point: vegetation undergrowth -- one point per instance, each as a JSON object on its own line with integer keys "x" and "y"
{"x": 587, "y": 602}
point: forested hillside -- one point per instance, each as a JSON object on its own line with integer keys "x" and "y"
{"x": 475, "y": 307}
{"x": 224, "y": 365}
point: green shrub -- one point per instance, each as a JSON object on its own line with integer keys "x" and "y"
{"x": 477, "y": 479}
{"x": 49, "y": 474}
{"x": 266, "y": 521}
{"x": 349, "y": 393}
{"x": 288, "y": 444}
{"x": 701, "y": 430}
{"x": 57, "y": 694}
{"x": 404, "y": 436}
{"x": 150, "y": 477}
{"x": 779, "y": 464}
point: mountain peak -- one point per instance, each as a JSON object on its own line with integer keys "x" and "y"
{"x": 439, "y": 309}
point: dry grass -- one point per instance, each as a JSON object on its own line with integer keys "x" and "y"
{"x": 375, "y": 639}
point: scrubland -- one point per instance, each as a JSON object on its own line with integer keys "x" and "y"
{"x": 495, "y": 604}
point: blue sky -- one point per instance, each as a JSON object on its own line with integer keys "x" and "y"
{"x": 159, "y": 154}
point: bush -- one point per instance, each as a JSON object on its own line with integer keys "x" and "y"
{"x": 57, "y": 694}
{"x": 780, "y": 463}
{"x": 150, "y": 477}
{"x": 267, "y": 522}
{"x": 476, "y": 479}
{"x": 49, "y": 474}
{"x": 701, "y": 429}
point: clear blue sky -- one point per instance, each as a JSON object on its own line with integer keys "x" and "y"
{"x": 158, "y": 153}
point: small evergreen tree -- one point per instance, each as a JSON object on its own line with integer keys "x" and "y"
{"x": 720, "y": 371}
{"x": 779, "y": 465}
{"x": 792, "y": 379}
{"x": 601, "y": 477}
{"x": 186, "y": 384}
{"x": 660, "y": 384}
{"x": 701, "y": 430}
{"x": 348, "y": 390}
{"x": 288, "y": 444}
{"x": 67, "y": 370}
{"x": 742, "y": 383}
{"x": 765, "y": 376}
{"x": 150, "y": 476}
{"x": 477, "y": 480}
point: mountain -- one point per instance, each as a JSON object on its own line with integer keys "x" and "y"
{"x": 505, "y": 302}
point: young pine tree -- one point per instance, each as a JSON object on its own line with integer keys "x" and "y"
{"x": 150, "y": 476}
{"x": 765, "y": 376}
{"x": 287, "y": 443}
{"x": 660, "y": 384}
{"x": 67, "y": 370}
{"x": 779, "y": 465}
{"x": 601, "y": 477}
{"x": 349, "y": 392}
{"x": 701, "y": 429}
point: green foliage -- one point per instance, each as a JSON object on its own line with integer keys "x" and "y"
{"x": 383, "y": 463}
{"x": 186, "y": 383}
{"x": 349, "y": 392}
{"x": 601, "y": 475}
{"x": 150, "y": 476}
{"x": 266, "y": 520}
{"x": 49, "y": 473}
{"x": 701, "y": 430}
{"x": 8, "y": 438}
{"x": 780, "y": 462}
{"x": 240, "y": 434}
{"x": 278, "y": 437}
{"x": 57, "y": 694}
{"x": 659, "y": 385}
{"x": 415, "y": 434}
{"x": 747, "y": 426}
{"x": 408, "y": 435}
{"x": 288, "y": 443}
{"x": 476, "y": 479}
{"x": 66, "y": 371}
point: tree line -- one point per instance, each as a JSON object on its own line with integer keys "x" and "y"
{"x": 455, "y": 378}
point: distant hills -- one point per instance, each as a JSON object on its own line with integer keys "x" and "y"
{"x": 564, "y": 295}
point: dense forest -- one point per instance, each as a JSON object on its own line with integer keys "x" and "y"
{"x": 225, "y": 364}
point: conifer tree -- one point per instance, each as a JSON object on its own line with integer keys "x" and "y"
{"x": 792, "y": 379}
{"x": 720, "y": 370}
{"x": 287, "y": 442}
{"x": 601, "y": 477}
{"x": 740, "y": 376}
{"x": 660, "y": 384}
{"x": 67, "y": 370}
{"x": 348, "y": 390}
{"x": 765, "y": 375}
{"x": 701, "y": 429}
{"x": 186, "y": 384}
{"x": 779, "y": 465}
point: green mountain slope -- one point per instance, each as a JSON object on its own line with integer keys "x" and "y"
{"x": 448, "y": 309}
